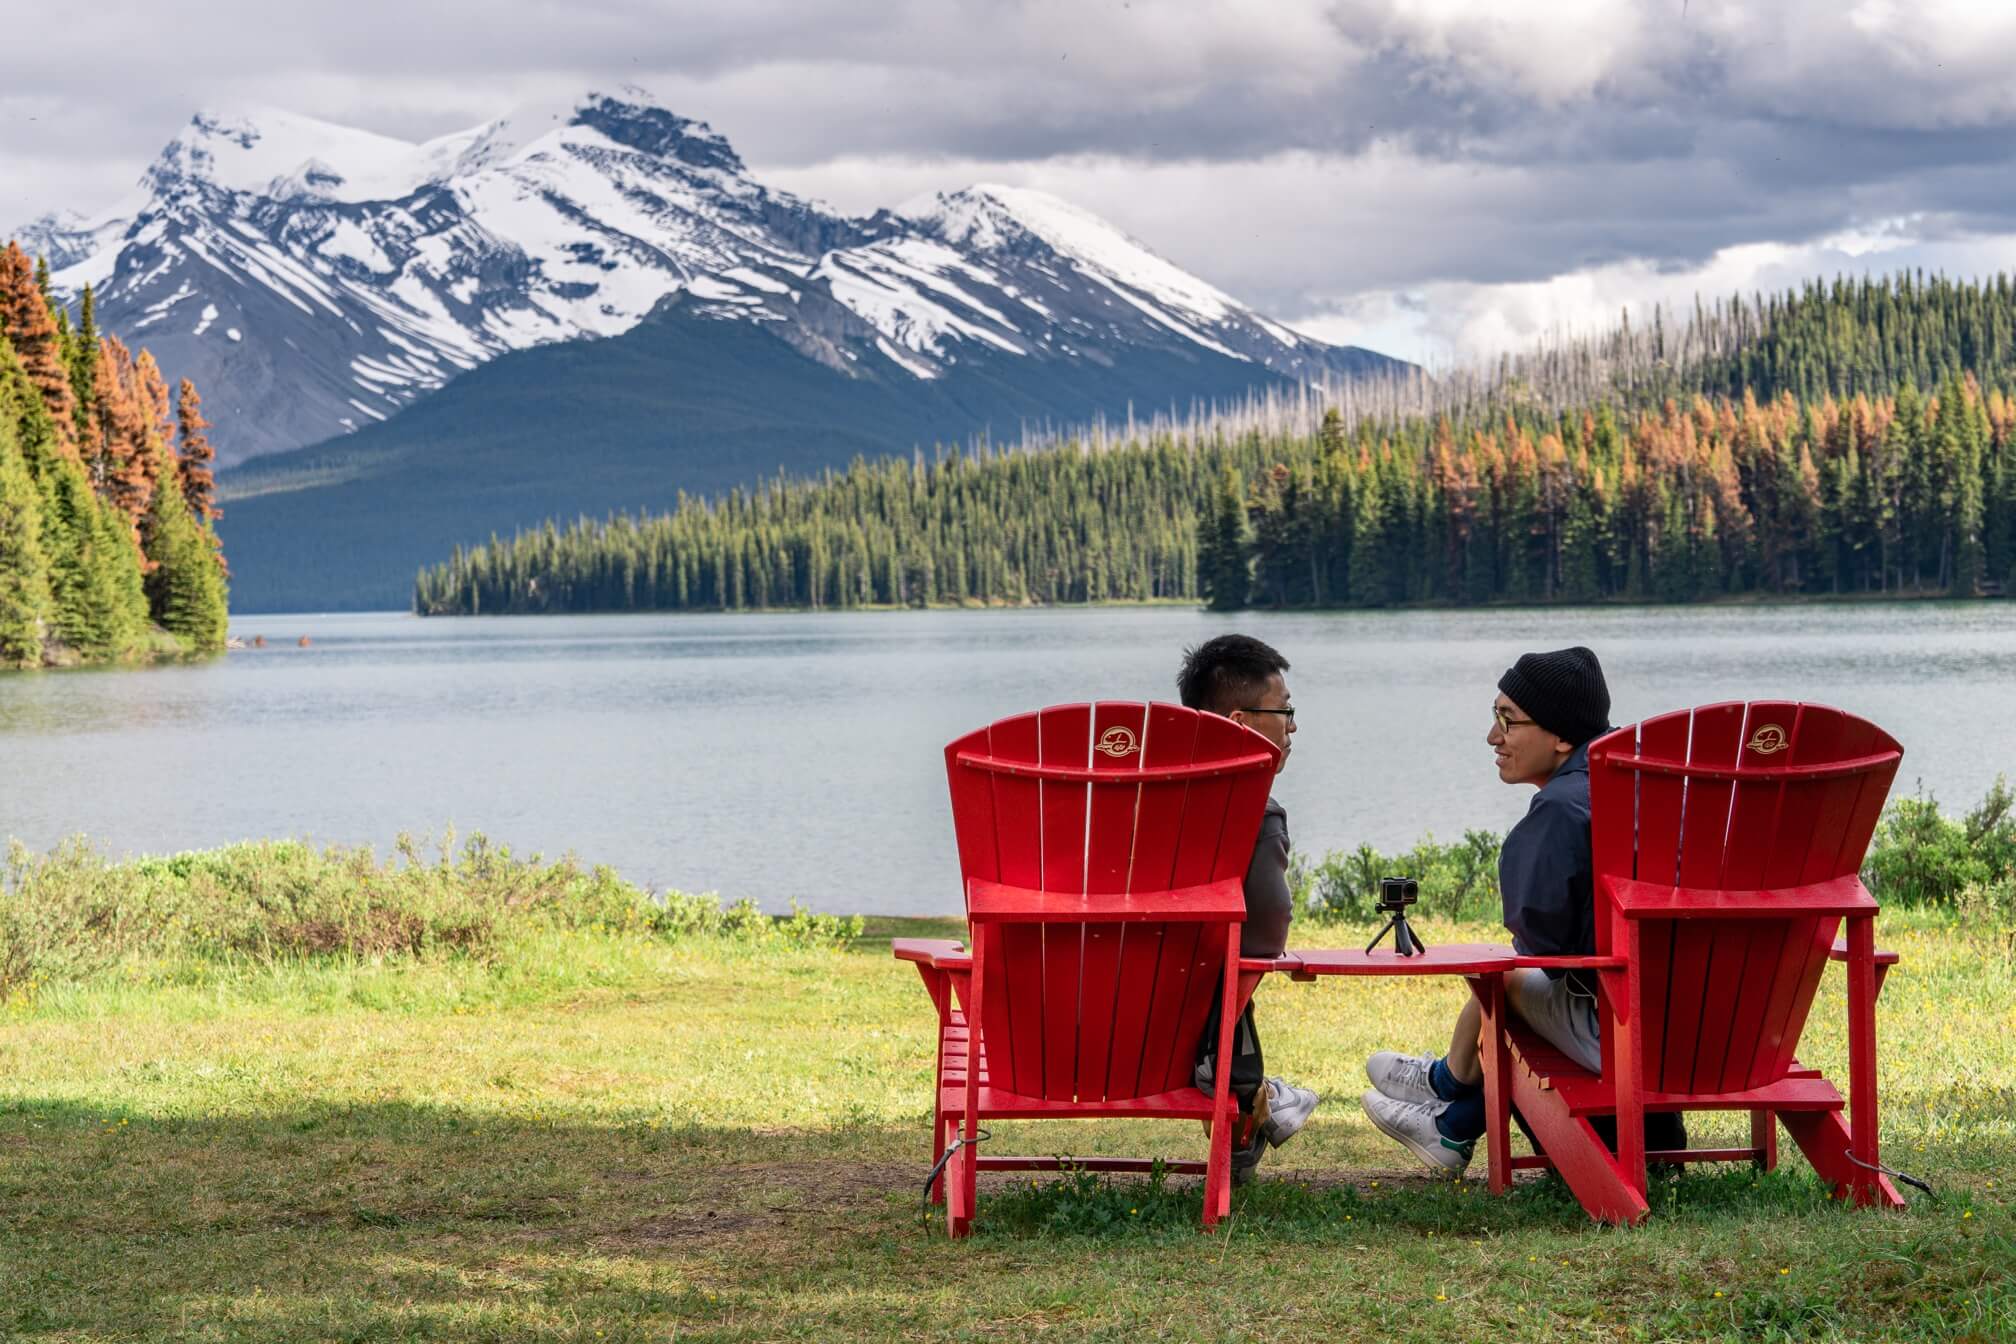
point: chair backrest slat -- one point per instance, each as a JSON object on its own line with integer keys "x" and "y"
{"x": 1104, "y": 1011}
{"x": 1063, "y": 737}
{"x": 1726, "y": 999}
{"x": 1713, "y": 740}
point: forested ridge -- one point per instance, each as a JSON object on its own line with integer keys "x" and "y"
{"x": 1840, "y": 439}
{"x": 107, "y": 553}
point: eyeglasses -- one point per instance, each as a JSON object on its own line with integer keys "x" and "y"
{"x": 1506, "y": 723}
{"x": 1288, "y": 713}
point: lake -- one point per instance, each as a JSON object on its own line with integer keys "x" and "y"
{"x": 797, "y": 755}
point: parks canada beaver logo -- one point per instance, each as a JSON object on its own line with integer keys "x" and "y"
{"x": 1117, "y": 741}
{"x": 1769, "y": 740}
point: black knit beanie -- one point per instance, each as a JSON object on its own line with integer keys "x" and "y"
{"x": 1563, "y": 691}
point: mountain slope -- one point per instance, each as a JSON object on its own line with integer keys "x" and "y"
{"x": 315, "y": 278}
{"x": 594, "y": 306}
{"x": 679, "y": 403}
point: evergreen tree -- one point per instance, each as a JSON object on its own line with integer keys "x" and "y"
{"x": 1221, "y": 550}
{"x": 83, "y": 365}
{"x": 25, "y": 601}
{"x": 30, "y": 328}
{"x": 199, "y": 483}
{"x": 185, "y": 588}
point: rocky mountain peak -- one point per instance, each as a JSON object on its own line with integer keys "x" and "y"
{"x": 314, "y": 277}
{"x": 635, "y": 119}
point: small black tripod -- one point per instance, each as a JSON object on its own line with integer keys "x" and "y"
{"x": 1395, "y": 895}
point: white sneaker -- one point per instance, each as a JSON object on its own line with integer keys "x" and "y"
{"x": 1402, "y": 1077}
{"x": 1288, "y": 1108}
{"x": 1412, "y": 1123}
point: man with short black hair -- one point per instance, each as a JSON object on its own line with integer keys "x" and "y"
{"x": 1548, "y": 709}
{"x": 1240, "y": 678}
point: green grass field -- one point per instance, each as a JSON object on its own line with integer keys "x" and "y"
{"x": 589, "y": 1130}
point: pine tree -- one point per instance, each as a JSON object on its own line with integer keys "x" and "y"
{"x": 185, "y": 589}
{"x": 101, "y": 608}
{"x": 130, "y": 455}
{"x": 1222, "y": 558}
{"x": 83, "y": 365}
{"x": 199, "y": 483}
{"x": 25, "y": 601}
{"x": 26, "y": 322}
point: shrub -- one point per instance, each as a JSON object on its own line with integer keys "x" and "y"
{"x": 1458, "y": 881}
{"x": 1921, "y": 857}
{"x": 71, "y": 913}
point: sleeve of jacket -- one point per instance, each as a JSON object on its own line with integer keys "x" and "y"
{"x": 1269, "y": 903}
{"x": 1542, "y": 871}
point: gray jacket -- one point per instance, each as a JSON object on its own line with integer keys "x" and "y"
{"x": 1545, "y": 877}
{"x": 1269, "y": 904}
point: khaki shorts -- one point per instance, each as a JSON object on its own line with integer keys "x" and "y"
{"x": 1564, "y": 1018}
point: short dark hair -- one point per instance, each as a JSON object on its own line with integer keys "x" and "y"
{"x": 1227, "y": 672}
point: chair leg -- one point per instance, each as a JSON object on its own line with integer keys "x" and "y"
{"x": 939, "y": 1123}
{"x": 1218, "y": 1168}
{"x": 1581, "y": 1158}
{"x": 1497, "y": 1061}
{"x": 1764, "y": 1138}
{"x": 1862, "y": 1056}
{"x": 1627, "y": 1032}
{"x": 965, "y": 1174}
{"x": 1823, "y": 1136}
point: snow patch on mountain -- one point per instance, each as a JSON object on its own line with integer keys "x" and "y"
{"x": 990, "y": 218}
{"x": 372, "y": 270}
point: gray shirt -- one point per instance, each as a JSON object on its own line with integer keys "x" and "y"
{"x": 1269, "y": 903}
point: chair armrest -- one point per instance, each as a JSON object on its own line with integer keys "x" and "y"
{"x": 1568, "y": 963}
{"x": 945, "y": 954}
{"x": 1287, "y": 962}
{"x": 1839, "y": 952}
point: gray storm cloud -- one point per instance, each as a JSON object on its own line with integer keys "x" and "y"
{"x": 1296, "y": 152}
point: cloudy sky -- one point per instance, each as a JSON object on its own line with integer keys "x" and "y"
{"x": 1440, "y": 179}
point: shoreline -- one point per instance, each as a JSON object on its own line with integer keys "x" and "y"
{"x": 1772, "y": 600}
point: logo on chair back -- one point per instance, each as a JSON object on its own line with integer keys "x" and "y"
{"x": 1769, "y": 740}
{"x": 1117, "y": 741}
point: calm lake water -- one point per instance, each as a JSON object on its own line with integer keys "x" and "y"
{"x": 798, "y": 756}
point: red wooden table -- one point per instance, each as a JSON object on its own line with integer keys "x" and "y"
{"x": 1483, "y": 965}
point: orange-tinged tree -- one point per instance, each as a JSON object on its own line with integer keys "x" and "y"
{"x": 30, "y": 328}
{"x": 199, "y": 483}
{"x": 121, "y": 471}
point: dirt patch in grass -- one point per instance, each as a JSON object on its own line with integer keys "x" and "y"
{"x": 762, "y": 1200}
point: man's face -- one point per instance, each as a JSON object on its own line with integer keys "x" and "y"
{"x": 1526, "y": 752}
{"x": 1264, "y": 714}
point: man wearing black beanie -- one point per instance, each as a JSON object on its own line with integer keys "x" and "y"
{"x": 1549, "y": 707}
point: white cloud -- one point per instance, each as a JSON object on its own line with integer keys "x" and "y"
{"x": 1454, "y": 322}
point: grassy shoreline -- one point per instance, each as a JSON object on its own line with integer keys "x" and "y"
{"x": 577, "y": 1124}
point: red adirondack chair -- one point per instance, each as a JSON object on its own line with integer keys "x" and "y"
{"x": 1726, "y": 844}
{"x": 1103, "y": 849}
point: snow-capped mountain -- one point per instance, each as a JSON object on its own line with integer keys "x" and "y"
{"x": 315, "y": 278}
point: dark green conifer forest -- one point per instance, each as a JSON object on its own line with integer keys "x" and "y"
{"x": 1852, "y": 438}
